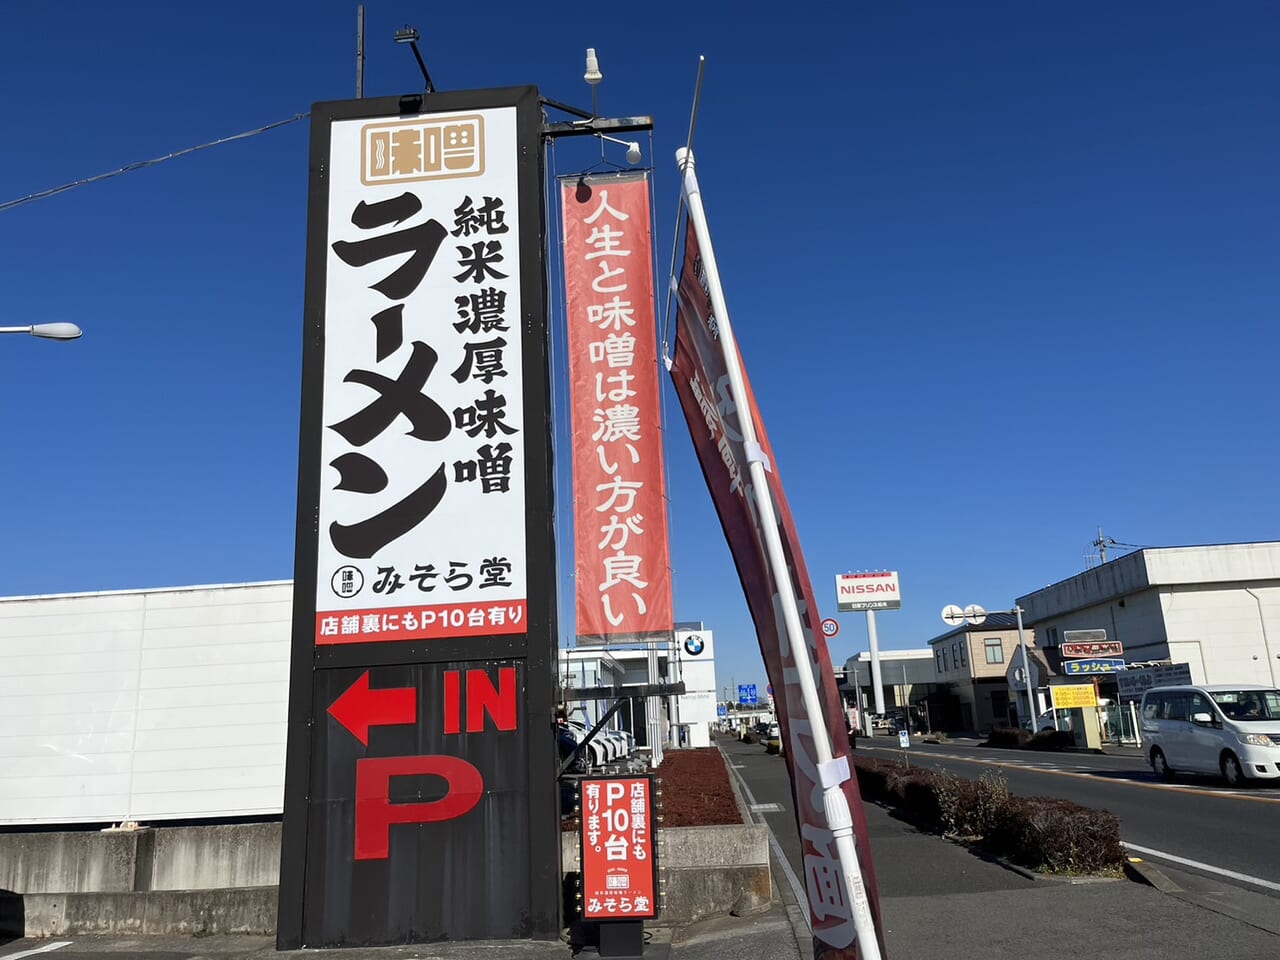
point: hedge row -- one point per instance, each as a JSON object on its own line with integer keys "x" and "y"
{"x": 1041, "y": 833}
{"x": 1017, "y": 737}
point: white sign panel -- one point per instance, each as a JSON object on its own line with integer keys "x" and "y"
{"x": 422, "y": 499}
{"x": 698, "y": 707}
{"x": 868, "y": 591}
{"x": 1084, "y": 636}
{"x": 696, "y": 651}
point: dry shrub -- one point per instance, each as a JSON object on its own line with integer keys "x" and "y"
{"x": 1008, "y": 737}
{"x": 1043, "y": 833}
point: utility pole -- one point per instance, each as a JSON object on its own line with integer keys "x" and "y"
{"x": 1101, "y": 544}
{"x": 360, "y": 52}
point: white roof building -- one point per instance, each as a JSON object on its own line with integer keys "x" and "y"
{"x": 1215, "y": 607}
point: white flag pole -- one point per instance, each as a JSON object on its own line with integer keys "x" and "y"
{"x": 832, "y": 772}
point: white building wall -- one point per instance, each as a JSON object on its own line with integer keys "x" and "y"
{"x": 1121, "y": 577}
{"x": 1138, "y": 624}
{"x": 144, "y": 705}
{"x": 1228, "y": 633}
{"x": 1214, "y": 607}
{"x": 1216, "y": 563}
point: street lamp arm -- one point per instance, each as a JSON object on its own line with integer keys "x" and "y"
{"x": 48, "y": 331}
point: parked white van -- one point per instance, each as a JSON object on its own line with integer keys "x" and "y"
{"x": 1232, "y": 730}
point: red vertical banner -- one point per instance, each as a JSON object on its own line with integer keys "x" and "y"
{"x": 702, "y": 383}
{"x": 619, "y": 867}
{"x": 620, "y": 517}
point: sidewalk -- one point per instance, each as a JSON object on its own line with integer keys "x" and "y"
{"x": 768, "y": 936}
{"x": 939, "y": 901}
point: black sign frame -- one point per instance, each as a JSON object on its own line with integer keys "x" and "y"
{"x": 537, "y": 648}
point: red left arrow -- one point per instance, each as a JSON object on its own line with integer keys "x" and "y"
{"x": 360, "y": 707}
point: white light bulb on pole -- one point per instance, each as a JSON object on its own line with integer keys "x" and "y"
{"x": 48, "y": 331}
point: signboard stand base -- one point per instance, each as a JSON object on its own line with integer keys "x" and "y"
{"x": 621, "y": 938}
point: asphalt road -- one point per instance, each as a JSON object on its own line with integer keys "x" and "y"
{"x": 1196, "y": 820}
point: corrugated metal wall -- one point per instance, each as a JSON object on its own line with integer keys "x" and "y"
{"x": 147, "y": 705}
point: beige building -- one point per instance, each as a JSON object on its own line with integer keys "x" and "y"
{"x": 971, "y": 666}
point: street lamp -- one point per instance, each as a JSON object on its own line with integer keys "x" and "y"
{"x": 48, "y": 331}
{"x": 410, "y": 35}
{"x": 975, "y": 615}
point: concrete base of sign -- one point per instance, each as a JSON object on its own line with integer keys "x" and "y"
{"x": 141, "y": 860}
{"x": 247, "y": 910}
{"x": 706, "y": 870}
{"x": 220, "y": 879}
{"x": 621, "y": 939}
{"x": 652, "y": 951}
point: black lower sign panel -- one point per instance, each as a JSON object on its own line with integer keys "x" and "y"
{"x": 417, "y": 817}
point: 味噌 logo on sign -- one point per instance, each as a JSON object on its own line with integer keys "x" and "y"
{"x": 406, "y": 151}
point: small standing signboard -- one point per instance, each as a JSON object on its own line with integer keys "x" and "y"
{"x": 619, "y": 861}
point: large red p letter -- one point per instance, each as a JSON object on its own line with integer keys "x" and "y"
{"x": 375, "y": 812}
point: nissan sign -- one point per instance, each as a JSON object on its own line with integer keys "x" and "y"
{"x": 868, "y": 591}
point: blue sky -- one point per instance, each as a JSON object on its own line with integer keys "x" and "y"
{"x": 1001, "y": 273}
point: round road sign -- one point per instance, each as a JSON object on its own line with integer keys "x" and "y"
{"x": 830, "y": 627}
{"x": 952, "y": 615}
{"x": 975, "y": 614}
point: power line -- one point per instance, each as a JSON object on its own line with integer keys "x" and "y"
{"x": 128, "y": 168}
{"x": 1104, "y": 541}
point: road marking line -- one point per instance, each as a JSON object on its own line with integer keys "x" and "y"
{"x": 766, "y": 808}
{"x": 1206, "y": 867}
{"x": 56, "y": 945}
{"x": 797, "y": 888}
{"x": 1023, "y": 765}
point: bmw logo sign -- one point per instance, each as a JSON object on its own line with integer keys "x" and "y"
{"x": 693, "y": 645}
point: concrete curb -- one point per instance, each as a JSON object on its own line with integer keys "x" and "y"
{"x": 1146, "y": 873}
{"x": 245, "y": 910}
{"x": 744, "y": 810}
{"x": 1009, "y": 865}
{"x": 1097, "y": 751}
{"x": 1043, "y": 877}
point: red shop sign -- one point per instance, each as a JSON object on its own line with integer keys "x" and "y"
{"x": 619, "y": 862}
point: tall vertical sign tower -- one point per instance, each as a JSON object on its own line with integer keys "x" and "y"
{"x": 420, "y": 797}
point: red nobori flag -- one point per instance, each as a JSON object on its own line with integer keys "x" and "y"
{"x": 702, "y": 382}
{"x": 620, "y": 518}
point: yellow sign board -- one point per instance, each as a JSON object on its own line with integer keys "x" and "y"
{"x": 1072, "y": 695}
